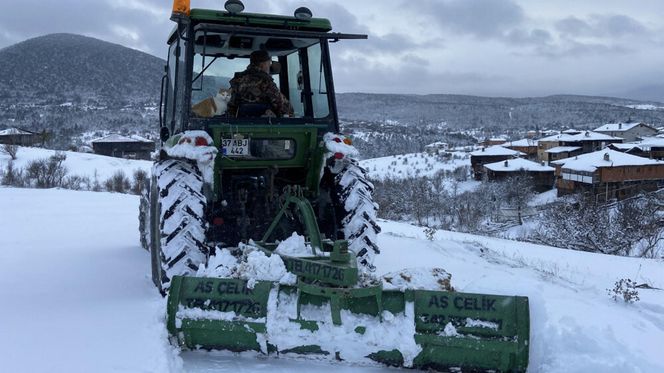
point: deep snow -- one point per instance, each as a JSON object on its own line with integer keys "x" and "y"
{"x": 76, "y": 294}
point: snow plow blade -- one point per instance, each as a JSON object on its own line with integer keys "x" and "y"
{"x": 414, "y": 328}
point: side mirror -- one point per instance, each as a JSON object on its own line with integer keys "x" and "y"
{"x": 164, "y": 134}
{"x": 275, "y": 68}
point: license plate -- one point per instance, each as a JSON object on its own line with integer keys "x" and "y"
{"x": 235, "y": 147}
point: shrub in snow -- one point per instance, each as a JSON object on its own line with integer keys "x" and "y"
{"x": 119, "y": 183}
{"x": 624, "y": 289}
{"x": 46, "y": 173}
{"x": 10, "y": 149}
{"x": 12, "y": 176}
{"x": 430, "y": 233}
{"x": 141, "y": 182}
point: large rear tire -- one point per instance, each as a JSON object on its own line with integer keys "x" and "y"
{"x": 179, "y": 207}
{"x": 144, "y": 218}
{"x": 355, "y": 194}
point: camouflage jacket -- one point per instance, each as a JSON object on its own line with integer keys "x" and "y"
{"x": 256, "y": 86}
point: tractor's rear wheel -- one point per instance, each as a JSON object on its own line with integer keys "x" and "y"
{"x": 178, "y": 242}
{"x": 144, "y": 218}
{"x": 358, "y": 223}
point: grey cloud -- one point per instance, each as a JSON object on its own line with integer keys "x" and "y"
{"x": 99, "y": 19}
{"x": 620, "y": 25}
{"x": 536, "y": 37}
{"x": 484, "y": 19}
{"x": 601, "y": 26}
{"x": 411, "y": 78}
{"x": 344, "y": 21}
{"x": 578, "y": 49}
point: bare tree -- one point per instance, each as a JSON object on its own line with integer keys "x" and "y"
{"x": 9, "y": 149}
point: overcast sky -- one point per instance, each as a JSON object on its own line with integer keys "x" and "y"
{"x": 478, "y": 47}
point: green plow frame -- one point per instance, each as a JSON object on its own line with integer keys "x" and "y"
{"x": 450, "y": 330}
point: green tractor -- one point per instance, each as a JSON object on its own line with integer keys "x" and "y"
{"x": 262, "y": 229}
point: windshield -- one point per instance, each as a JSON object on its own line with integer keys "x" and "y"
{"x": 297, "y": 71}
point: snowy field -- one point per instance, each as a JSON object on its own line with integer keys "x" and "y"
{"x": 79, "y": 164}
{"x": 77, "y": 295}
{"x": 411, "y": 165}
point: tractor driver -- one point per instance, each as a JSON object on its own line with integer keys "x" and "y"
{"x": 255, "y": 93}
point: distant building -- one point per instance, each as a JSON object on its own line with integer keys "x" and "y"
{"x": 628, "y": 131}
{"x": 526, "y": 146}
{"x": 16, "y": 136}
{"x": 133, "y": 147}
{"x": 561, "y": 152}
{"x": 542, "y": 176}
{"x": 435, "y": 147}
{"x": 588, "y": 141}
{"x": 608, "y": 174}
{"x": 494, "y": 141}
{"x": 650, "y": 147}
{"x": 488, "y": 155}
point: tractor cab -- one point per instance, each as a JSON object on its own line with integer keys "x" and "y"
{"x": 208, "y": 48}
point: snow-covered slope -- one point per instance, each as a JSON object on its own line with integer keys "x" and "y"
{"x": 412, "y": 165}
{"x": 80, "y": 164}
{"x": 77, "y": 296}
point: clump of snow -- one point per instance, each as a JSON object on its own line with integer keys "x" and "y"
{"x": 449, "y": 331}
{"x": 392, "y": 332}
{"x": 294, "y": 245}
{"x": 254, "y": 265}
{"x": 474, "y": 323}
{"x": 418, "y": 279}
{"x": 203, "y": 155}
{"x": 200, "y": 314}
{"x": 260, "y": 267}
{"x": 222, "y": 264}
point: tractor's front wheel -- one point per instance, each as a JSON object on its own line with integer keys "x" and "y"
{"x": 178, "y": 240}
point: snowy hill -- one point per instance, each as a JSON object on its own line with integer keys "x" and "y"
{"x": 412, "y": 165}
{"x": 77, "y": 294}
{"x": 57, "y": 68}
{"x": 80, "y": 164}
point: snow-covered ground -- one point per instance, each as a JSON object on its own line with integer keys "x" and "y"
{"x": 77, "y": 295}
{"x": 79, "y": 164}
{"x": 412, "y": 165}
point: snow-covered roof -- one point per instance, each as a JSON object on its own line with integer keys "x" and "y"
{"x": 14, "y": 131}
{"x": 120, "y": 138}
{"x": 604, "y": 158}
{"x": 571, "y": 131}
{"x": 496, "y": 150}
{"x": 518, "y": 164}
{"x": 645, "y": 145}
{"x": 562, "y": 149}
{"x": 436, "y": 144}
{"x": 618, "y": 127}
{"x": 583, "y": 136}
{"x": 521, "y": 143}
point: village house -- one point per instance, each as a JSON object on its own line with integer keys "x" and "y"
{"x": 561, "y": 152}
{"x": 608, "y": 174}
{"x": 16, "y": 136}
{"x": 650, "y": 147}
{"x": 588, "y": 141}
{"x": 628, "y": 131}
{"x": 133, "y": 147}
{"x": 541, "y": 176}
{"x": 488, "y": 155}
{"x": 436, "y": 147}
{"x": 526, "y": 146}
{"x": 493, "y": 141}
